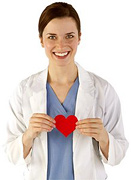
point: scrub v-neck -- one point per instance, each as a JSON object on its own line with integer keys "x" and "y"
{"x": 68, "y": 102}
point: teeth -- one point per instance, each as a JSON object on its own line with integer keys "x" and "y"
{"x": 61, "y": 54}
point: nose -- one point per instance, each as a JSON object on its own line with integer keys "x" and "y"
{"x": 61, "y": 42}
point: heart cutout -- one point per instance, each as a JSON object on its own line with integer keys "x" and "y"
{"x": 66, "y": 125}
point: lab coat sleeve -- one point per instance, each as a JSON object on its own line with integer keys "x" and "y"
{"x": 15, "y": 130}
{"x": 114, "y": 126}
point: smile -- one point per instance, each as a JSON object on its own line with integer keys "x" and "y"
{"x": 61, "y": 54}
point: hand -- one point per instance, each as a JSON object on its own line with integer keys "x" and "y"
{"x": 93, "y": 127}
{"x": 39, "y": 122}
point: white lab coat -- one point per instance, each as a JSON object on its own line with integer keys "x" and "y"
{"x": 95, "y": 98}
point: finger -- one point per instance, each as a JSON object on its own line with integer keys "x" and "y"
{"x": 49, "y": 123}
{"x": 89, "y": 120}
{"x": 42, "y": 115}
{"x": 93, "y": 135}
{"x": 89, "y": 130}
{"x": 38, "y": 130}
{"x": 88, "y": 133}
{"x": 45, "y": 116}
{"x": 41, "y": 122}
{"x": 87, "y": 125}
{"x": 40, "y": 119}
{"x": 38, "y": 125}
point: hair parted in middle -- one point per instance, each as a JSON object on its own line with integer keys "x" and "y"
{"x": 58, "y": 10}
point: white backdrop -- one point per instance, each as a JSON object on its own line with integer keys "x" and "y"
{"x": 105, "y": 49}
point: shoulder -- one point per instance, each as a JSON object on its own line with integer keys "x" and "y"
{"x": 29, "y": 80}
{"x": 91, "y": 77}
{"x": 26, "y": 84}
{"x": 97, "y": 79}
{"x": 33, "y": 81}
{"x": 94, "y": 80}
{"x": 105, "y": 87}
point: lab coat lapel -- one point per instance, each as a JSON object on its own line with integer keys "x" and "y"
{"x": 86, "y": 94}
{"x": 85, "y": 99}
{"x": 38, "y": 100}
{"x": 38, "y": 88}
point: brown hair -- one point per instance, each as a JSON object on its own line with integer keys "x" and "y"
{"x": 57, "y": 10}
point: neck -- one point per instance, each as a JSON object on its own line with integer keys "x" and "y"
{"x": 62, "y": 74}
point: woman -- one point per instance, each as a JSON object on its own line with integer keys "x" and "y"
{"x": 64, "y": 88}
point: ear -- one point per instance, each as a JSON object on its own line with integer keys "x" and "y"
{"x": 79, "y": 38}
{"x": 41, "y": 41}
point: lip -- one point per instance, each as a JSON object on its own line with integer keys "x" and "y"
{"x": 61, "y": 57}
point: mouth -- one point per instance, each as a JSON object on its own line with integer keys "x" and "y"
{"x": 61, "y": 55}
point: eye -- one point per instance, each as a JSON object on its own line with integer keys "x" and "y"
{"x": 52, "y": 37}
{"x": 69, "y": 36}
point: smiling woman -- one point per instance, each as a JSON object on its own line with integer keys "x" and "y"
{"x": 64, "y": 89}
{"x": 61, "y": 41}
{"x": 64, "y": 42}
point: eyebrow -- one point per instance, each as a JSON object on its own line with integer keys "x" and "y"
{"x": 53, "y": 34}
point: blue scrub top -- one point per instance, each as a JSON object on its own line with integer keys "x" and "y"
{"x": 60, "y": 150}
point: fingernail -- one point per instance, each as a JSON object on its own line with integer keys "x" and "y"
{"x": 50, "y": 129}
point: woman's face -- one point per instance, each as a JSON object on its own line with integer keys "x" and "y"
{"x": 60, "y": 39}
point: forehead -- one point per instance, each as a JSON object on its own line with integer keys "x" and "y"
{"x": 61, "y": 25}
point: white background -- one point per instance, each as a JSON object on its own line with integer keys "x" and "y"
{"x": 105, "y": 49}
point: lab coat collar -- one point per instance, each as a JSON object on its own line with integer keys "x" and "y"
{"x": 38, "y": 98}
{"x": 86, "y": 88}
{"x": 85, "y": 80}
{"x": 86, "y": 94}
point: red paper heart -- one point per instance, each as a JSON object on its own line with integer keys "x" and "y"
{"x": 66, "y": 125}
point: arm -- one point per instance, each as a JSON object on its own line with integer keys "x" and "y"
{"x": 114, "y": 127}
{"x": 94, "y": 128}
{"x": 27, "y": 144}
{"x": 108, "y": 131}
{"x": 104, "y": 145}
{"x": 15, "y": 129}
{"x": 39, "y": 122}
{"x": 20, "y": 138}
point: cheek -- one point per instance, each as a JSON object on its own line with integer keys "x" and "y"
{"x": 48, "y": 45}
{"x": 74, "y": 43}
